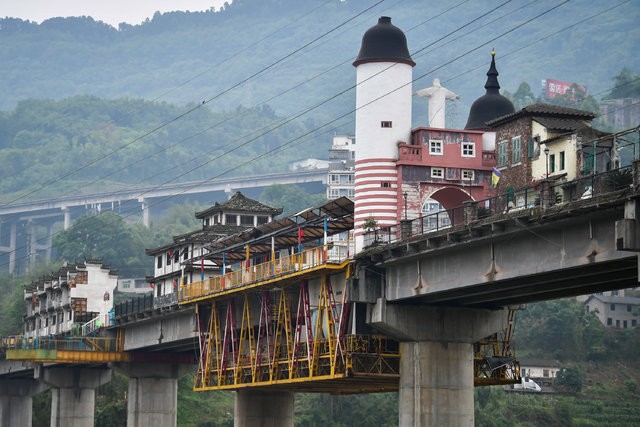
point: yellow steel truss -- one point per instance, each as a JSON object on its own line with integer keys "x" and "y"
{"x": 269, "y": 347}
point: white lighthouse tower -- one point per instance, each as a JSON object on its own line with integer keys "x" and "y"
{"x": 384, "y": 71}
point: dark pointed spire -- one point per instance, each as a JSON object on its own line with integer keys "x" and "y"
{"x": 491, "y": 105}
{"x": 492, "y": 85}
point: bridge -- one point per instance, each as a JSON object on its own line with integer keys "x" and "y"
{"x": 22, "y": 225}
{"x": 425, "y": 310}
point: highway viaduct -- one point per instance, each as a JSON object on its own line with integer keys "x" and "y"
{"x": 27, "y": 228}
{"x": 437, "y": 293}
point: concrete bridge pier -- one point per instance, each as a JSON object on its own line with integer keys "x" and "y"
{"x": 436, "y": 365}
{"x": 152, "y": 399}
{"x": 73, "y": 394}
{"x": 16, "y": 401}
{"x": 260, "y": 408}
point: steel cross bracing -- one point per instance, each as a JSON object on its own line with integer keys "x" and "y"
{"x": 310, "y": 351}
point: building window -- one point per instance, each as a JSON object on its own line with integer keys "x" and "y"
{"x": 609, "y": 321}
{"x": 231, "y": 219}
{"x": 334, "y": 193}
{"x": 545, "y": 373}
{"x": 468, "y": 149}
{"x": 613, "y": 307}
{"x": 176, "y": 256}
{"x": 634, "y": 322}
{"x": 552, "y": 163}
{"x": 385, "y": 124}
{"x": 624, "y": 324}
{"x": 629, "y": 308}
{"x": 435, "y": 147}
{"x": 169, "y": 258}
{"x": 206, "y": 222}
{"x": 350, "y": 179}
{"x": 185, "y": 254}
{"x": 467, "y": 175}
{"x": 562, "y": 160}
{"x": 515, "y": 149}
{"x": 335, "y": 179}
{"x": 262, "y": 219}
{"x": 246, "y": 220}
{"x": 159, "y": 264}
{"x": 385, "y": 184}
{"x": 617, "y": 323}
{"x": 437, "y": 172}
{"x": 502, "y": 154}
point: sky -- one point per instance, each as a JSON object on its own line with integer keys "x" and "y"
{"x": 112, "y": 12}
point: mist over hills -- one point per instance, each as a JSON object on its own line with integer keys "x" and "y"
{"x": 196, "y": 55}
{"x": 276, "y": 60}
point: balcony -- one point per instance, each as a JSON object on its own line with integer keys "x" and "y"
{"x": 255, "y": 275}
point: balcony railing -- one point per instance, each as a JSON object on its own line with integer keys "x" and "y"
{"x": 295, "y": 263}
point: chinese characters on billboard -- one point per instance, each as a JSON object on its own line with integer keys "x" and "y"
{"x": 551, "y": 88}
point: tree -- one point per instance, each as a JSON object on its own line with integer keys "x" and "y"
{"x": 108, "y": 238}
{"x": 522, "y": 97}
{"x": 570, "y": 379}
{"x": 627, "y": 85}
{"x": 290, "y": 197}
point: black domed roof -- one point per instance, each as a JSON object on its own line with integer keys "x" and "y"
{"x": 384, "y": 42}
{"x": 491, "y": 105}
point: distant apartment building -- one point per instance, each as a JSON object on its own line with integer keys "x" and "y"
{"x": 341, "y": 174}
{"x": 621, "y": 113}
{"x": 62, "y": 302}
{"x": 615, "y": 309}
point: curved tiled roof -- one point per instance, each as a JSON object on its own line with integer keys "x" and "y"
{"x": 239, "y": 203}
{"x": 541, "y": 110}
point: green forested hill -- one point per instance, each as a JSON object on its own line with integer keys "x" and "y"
{"x": 85, "y": 144}
{"x": 189, "y": 57}
{"x": 105, "y": 107}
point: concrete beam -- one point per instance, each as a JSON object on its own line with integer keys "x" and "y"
{"x": 437, "y": 324}
{"x": 261, "y": 409}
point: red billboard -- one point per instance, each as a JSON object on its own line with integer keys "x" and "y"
{"x": 551, "y": 87}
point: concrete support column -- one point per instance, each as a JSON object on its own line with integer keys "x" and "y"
{"x": 33, "y": 243}
{"x": 436, "y": 364}
{"x": 11, "y": 249}
{"x": 16, "y": 401}
{"x": 436, "y": 384}
{"x": 152, "y": 400}
{"x": 261, "y": 409}
{"x": 67, "y": 217}
{"x": 145, "y": 211}
{"x": 73, "y": 394}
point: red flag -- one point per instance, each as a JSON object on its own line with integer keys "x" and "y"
{"x": 300, "y": 234}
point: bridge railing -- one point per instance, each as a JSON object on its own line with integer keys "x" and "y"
{"x": 69, "y": 343}
{"x": 511, "y": 201}
{"x": 250, "y": 274}
{"x": 133, "y": 306}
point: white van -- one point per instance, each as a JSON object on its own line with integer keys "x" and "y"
{"x": 527, "y": 385}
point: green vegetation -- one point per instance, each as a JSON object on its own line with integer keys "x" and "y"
{"x": 102, "y": 145}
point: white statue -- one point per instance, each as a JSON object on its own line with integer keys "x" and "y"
{"x": 437, "y": 97}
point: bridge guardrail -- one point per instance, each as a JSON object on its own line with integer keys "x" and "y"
{"x": 513, "y": 200}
